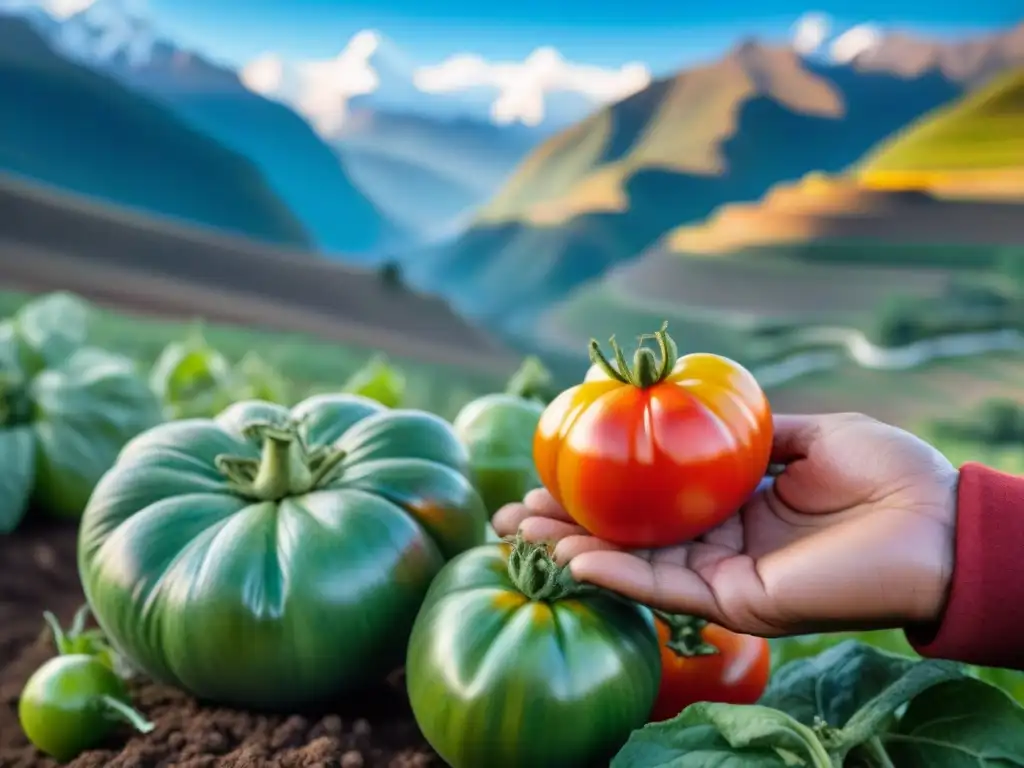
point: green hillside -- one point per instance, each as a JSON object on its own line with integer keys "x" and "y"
{"x": 984, "y": 130}
{"x": 68, "y": 126}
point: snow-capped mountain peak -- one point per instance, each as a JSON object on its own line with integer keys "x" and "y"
{"x": 108, "y": 29}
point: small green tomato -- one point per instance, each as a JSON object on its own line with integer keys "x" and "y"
{"x": 71, "y": 703}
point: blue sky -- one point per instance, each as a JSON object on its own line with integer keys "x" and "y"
{"x": 664, "y": 34}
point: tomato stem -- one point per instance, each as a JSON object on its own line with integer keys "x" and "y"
{"x": 685, "y": 634}
{"x": 128, "y": 713}
{"x": 286, "y": 467}
{"x": 647, "y": 369}
{"x": 535, "y": 573}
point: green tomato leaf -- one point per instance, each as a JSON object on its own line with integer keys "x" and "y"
{"x": 875, "y": 716}
{"x": 52, "y": 327}
{"x": 837, "y": 684}
{"x": 17, "y": 475}
{"x": 379, "y": 381}
{"x": 725, "y": 736}
{"x": 965, "y": 723}
{"x": 787, "y": 649}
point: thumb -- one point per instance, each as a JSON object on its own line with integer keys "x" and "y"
{"x": 794, "y": 434}
{"x": 816, "y": 478}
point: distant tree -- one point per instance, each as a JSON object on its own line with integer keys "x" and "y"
{"x": 898, "y": 322}
{"x": 390, "y": 273}
{"x": 1001, "y": 422}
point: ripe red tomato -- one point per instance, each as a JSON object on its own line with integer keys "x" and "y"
{"x": 658, "y": 453}
{"x": 737, "y": 674}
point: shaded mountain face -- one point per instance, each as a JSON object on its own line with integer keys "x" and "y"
{"x": 69, "y": 126}
{"x": 297, "y": 164}
{"x": 597, "y": 195}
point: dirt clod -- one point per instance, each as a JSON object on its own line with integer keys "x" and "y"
{"x": 38, "y": 572}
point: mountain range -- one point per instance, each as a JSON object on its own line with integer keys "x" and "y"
{"x": 391, "y": 177}
{"x": 922, "y": 220}
{"x": 506, "y": 221}
{"x": 597, "y": 195}
{"x": 76, "y": 128}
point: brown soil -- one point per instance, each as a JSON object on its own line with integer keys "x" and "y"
{"x": 38, "y": 572}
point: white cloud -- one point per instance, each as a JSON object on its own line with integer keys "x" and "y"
{"x": 809, "y": 32}
{"x": 320, "y": 90}
{"x": 60, "y": 9}
{"x": 855, "y": 42}
{"x": 523, "y": 85}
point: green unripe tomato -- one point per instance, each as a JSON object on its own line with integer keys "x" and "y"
{"x": 272, "y": 558}
{"x": 497, "y": 431}
{"x": 512, "y": 665}
{"x": 71, "y": 703}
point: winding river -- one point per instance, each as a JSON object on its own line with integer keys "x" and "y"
{"x": 856, "y": 347}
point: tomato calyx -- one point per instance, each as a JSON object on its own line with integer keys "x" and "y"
{"x": 78, "y": 639}
{"x": 535, "y": 573}
{"x": 647, "y": 369}
{"x": 287, "y": 465}
{"x": 685, "y": 636}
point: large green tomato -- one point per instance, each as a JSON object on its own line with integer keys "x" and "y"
{"x": 271, "y": 558}
{"x": 511, "y": 665}
{"x": 66, "y": 410}
{"x": 497, "y": 430}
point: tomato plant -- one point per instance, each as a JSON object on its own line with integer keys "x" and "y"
{"x": 379, "y": 381}
{"x": 706, "y": 662}
{"x": 852, "y": 705}
{"x": 510, "y": 663}
{"x": 272, "y": 557}
{"x": 65, "y": 410}
{"x": 192, "y": 379}
{"x": 497, "y": 430}
{"x": 659, "y": 452}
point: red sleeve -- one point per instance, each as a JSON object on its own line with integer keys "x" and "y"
{"x": 983, "y": 622}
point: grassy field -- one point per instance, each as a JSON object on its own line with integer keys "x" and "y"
{"x": 309, "y": 364}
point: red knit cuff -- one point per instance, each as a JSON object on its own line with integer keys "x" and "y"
{"x": 983, "y": 622}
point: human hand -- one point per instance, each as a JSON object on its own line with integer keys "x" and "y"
{"x": 856, "y": 533}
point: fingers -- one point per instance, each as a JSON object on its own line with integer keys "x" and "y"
{"x": 537, "y": 503}
{"x": 580, "y": 543}
{"x": 659, "y": 584}
{"x": 538, "y": 529}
